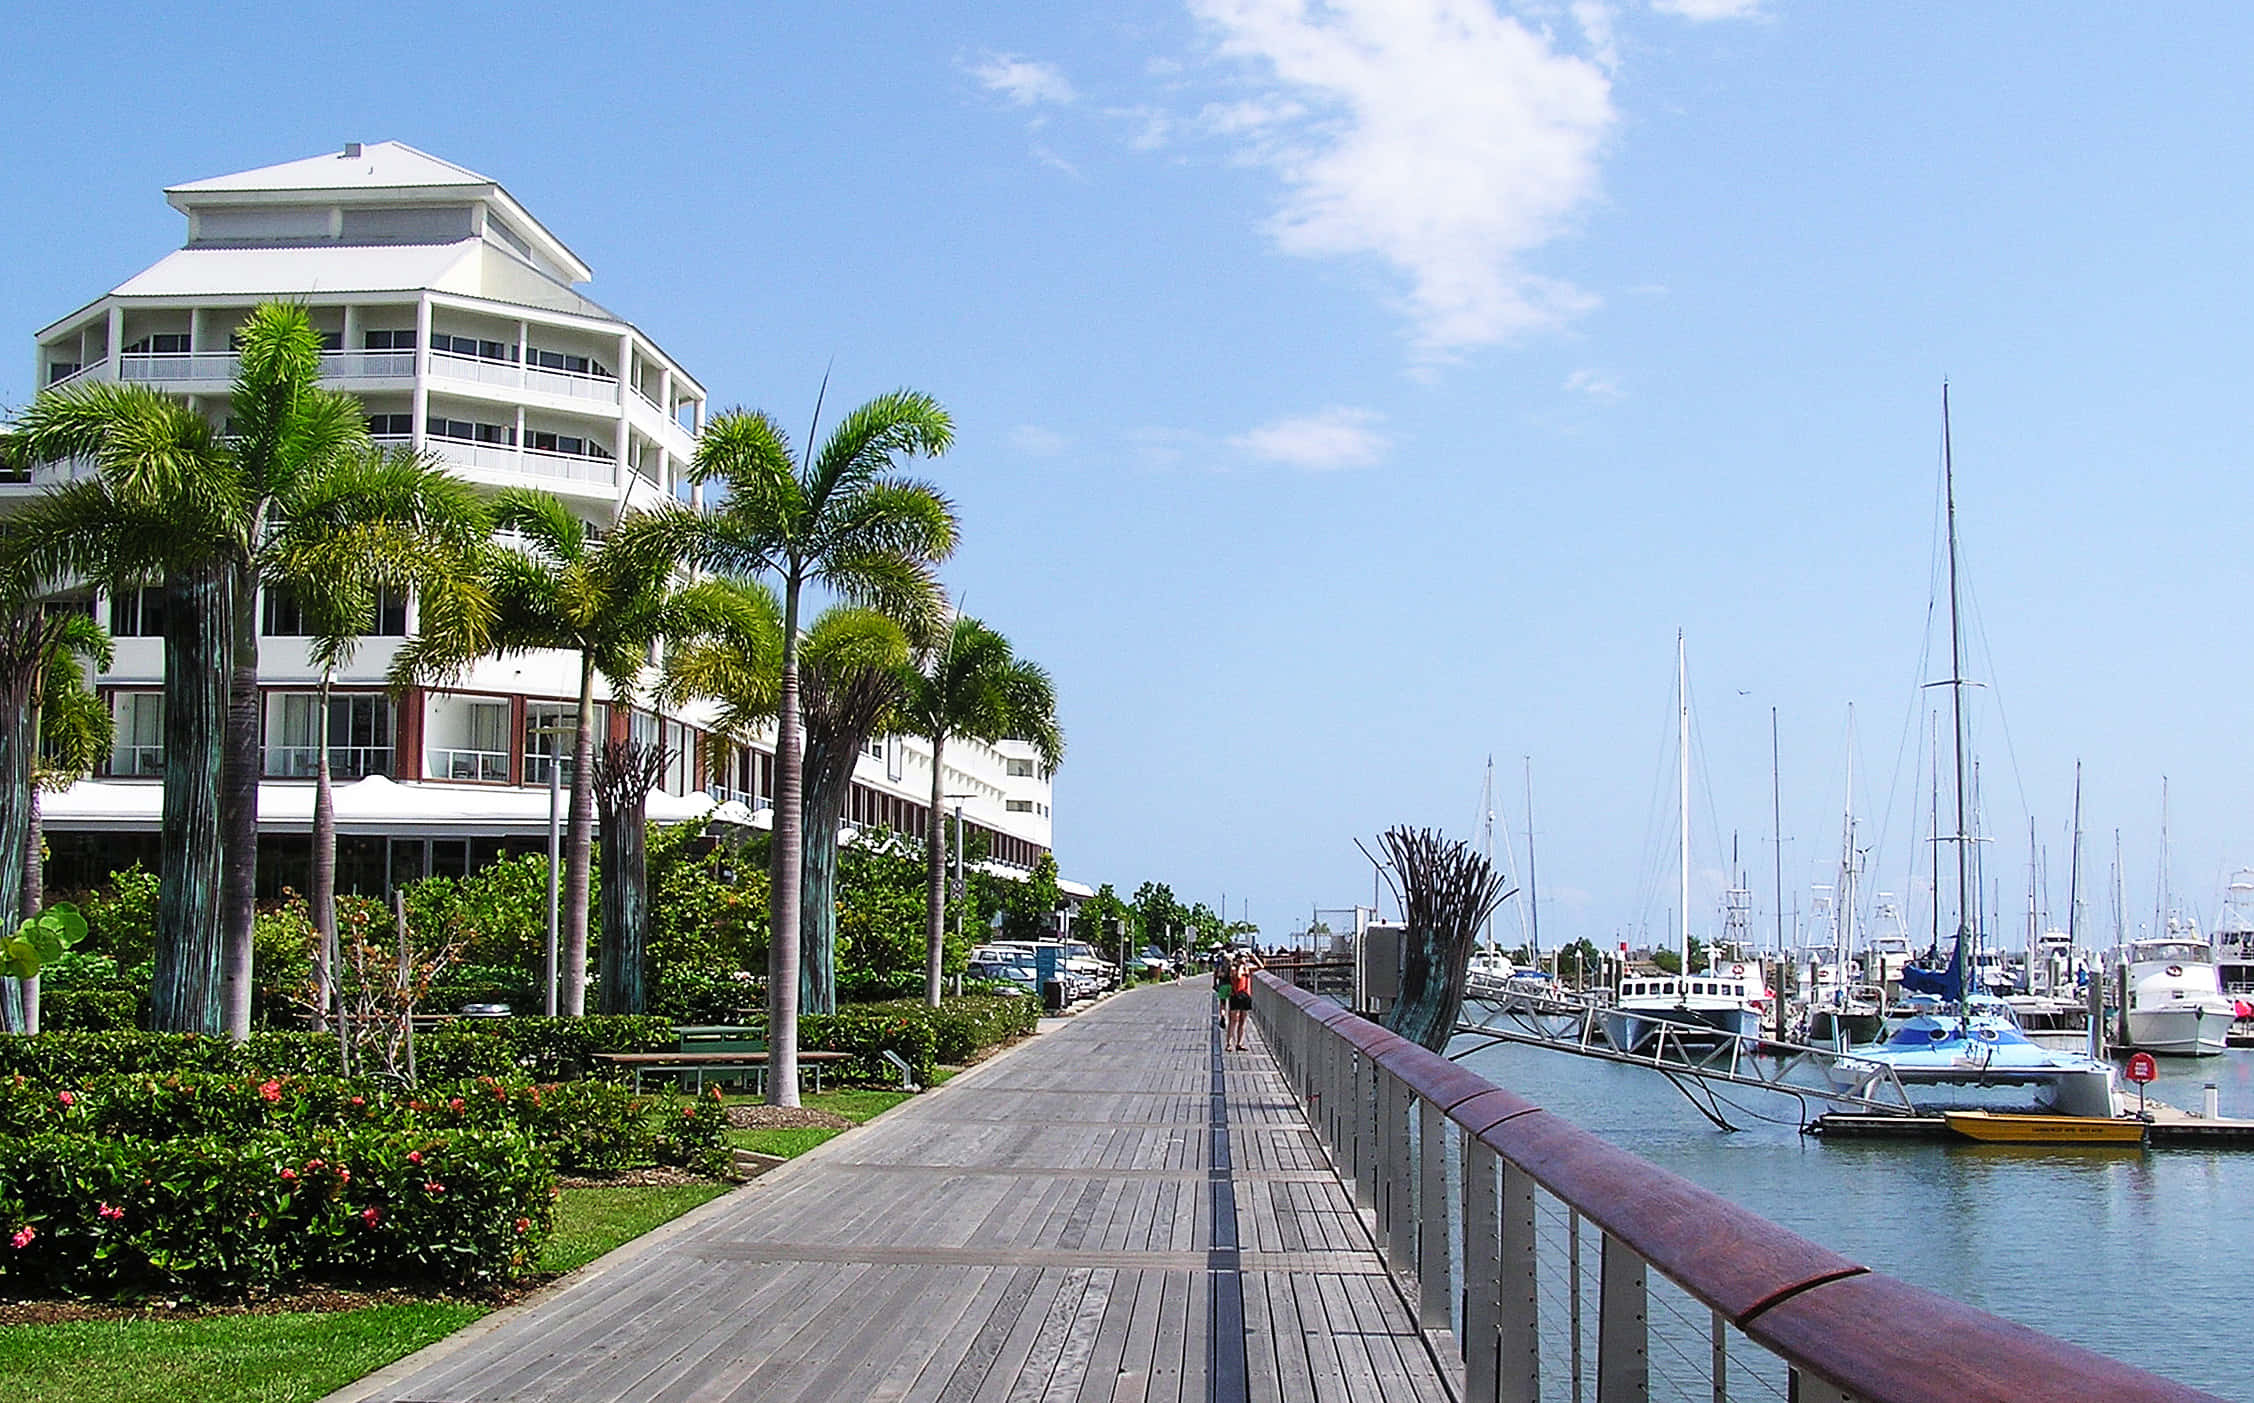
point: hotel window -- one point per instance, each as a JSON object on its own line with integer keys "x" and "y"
{"x": 284, "y": 618}
{"x": 570, "y": 364}
{"x": 139, "y": 745}
{"x": 170, "y": 344}
{"x": 137, "y": 613}
{"x": 389, "y": 340}
{"x": 468, "y": 432}
{"x": 482, "y": 753}
{"x": 391, "y": 425}
{"x": 571, "y": 444}
{"x": 62, "y": 370}
{"x": 474, "y": 348}
{"x": 1021, "y": 769}
{"x": 332, "y": 340}
{"x": 548, "y": 731}
{"x": 1020, "y": 806}
{"x": 358, "y": 735}
{"x": 875, "y": 748}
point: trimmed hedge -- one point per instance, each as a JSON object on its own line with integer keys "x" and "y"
{"x": 69, "y": 1057}
{"x": 544, "y": 1049}
{"x": 89, "y": 1010}
{"x": 955, "y": 1032}
{"x": 588, "y": 1126}
{"x": 226, "y": 1215}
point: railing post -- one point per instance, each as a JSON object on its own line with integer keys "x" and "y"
{"x": 1518, "y": 1343}
{"x": 1623, "y": 1365}
{"x": 1433, "y": 1312}
{"x": 1805, "y": 1388}
{"x": 1367, "y": 1121}
{"x": 1401, "y": 1222}
{"x": 1484, "y": 1268}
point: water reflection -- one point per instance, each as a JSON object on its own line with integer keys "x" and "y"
{"x": 2119, "y": 1249}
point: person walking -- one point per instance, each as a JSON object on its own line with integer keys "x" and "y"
{"x": 1240, "y": 997}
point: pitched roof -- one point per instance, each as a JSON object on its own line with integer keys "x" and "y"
{"x": 381, "y": 165}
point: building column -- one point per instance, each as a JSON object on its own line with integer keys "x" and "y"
{"x": 352, "y": 333}
{"x": 407, "y": 736}
{"x": 117, "y": 342}
{"x": 422, "y": 369}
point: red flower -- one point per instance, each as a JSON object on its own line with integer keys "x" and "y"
{"x": 434, "y": 1187}
{"x": 66, "y": 1098}
{"x": 524, "y": 1225}
{"x": 414, "y": 1156}
{"x": 23, "y": 1236}
{"x": 271, "y": 1092}
{"x": 105, "y": 1211}
{"x": 345, "y": 1175}
{"x": 369, "y": 1215}
{"x": 289, "y": 1174}
{"x": 359, "y": 1100}
{"x": 455, "y": 1104}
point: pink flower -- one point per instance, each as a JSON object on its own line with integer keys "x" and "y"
{"x": 23, "y": 1237}
{"x": 105, "y": 1211}
{"x": 455, "y": 1104}
{"x": 289, "y": 1174}
{"x": 66, "y": 1098}
{"x": 344, "y": 1175}
{"x": 414, "y": 1156}
{"x": 359, "y": 1100}
{"x": 434, "y": 1187}
{"x": 369, "y": 1215}
{"x": 271, "y": 1091}
{"x": 524, "y": 1225}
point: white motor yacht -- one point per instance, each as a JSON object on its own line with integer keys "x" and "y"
{"x": 2175, "y": 1003}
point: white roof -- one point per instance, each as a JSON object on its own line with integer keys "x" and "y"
{"x": 381, "y": 165}
{"x": 206, "y": 272}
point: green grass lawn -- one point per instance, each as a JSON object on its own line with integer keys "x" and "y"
{"x": 292, "y": 1358}
{"x": 856, "y": 1104}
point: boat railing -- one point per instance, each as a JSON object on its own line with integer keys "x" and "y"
{"x": 1543, "y": 1262}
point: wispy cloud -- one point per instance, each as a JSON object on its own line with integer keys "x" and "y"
{"x": 1323, "y": 442}
{"x": 1023, "y": 82}
{"x": 1036, "y": 442}
{"x": 1595, "y": 19}
{"x": 1440, "y": 136}
{"x": 1703, "y": 11}
{"x": 1592, "y": 384}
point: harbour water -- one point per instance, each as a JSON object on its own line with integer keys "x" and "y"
{"x": 2135, "y": 1253}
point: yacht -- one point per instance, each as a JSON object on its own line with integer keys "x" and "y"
{"x": 2175, "y": 1003}
{"x": 2234, "y": 935}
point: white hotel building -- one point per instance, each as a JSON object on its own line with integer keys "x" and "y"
{"x": 455, "y": 316}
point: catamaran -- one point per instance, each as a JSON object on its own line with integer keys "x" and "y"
{"x": 1963, "y": 1052}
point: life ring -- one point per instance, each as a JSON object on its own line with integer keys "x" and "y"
{"x": 2175, "y": 971}
{"x": 1737, "y": 971}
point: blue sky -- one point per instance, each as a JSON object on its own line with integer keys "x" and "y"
{"x": 1347, "y": 392}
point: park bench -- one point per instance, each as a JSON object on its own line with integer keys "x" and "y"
{"x": 694, "y": 1067}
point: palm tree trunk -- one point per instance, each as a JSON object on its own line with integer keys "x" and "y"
{"x": 19, "y": 685}
{"x": 830, "y": 779}
{"x": 238, "y": 811}
{"x": 935, "y": 874}
{"x": 34, "y": 866}
{"x": 198, "y": 665}
{"x": 782, "y": 945}
{"x": 626, "y": 906}
{"x": 579, "y": 846}
{"x": 324, "y": 859}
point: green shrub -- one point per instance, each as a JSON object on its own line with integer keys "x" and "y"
{"x": 121, "y": 918}
{"x": 544, "y": 1049}
{"x": 225, "y": 1215}
{"x": 692, "y": 1132}
{"x": 965, "y": 1026}
{"x": 868, "y": 1031}
{"x": 69, "y": 1057}
{"x": 88, "y": 1010}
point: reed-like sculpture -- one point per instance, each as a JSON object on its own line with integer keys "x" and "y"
{"x": 625, "y": 773}
{"x": 1446, "y": 891}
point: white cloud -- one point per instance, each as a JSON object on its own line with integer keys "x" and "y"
{"x": 1595, "y": 384}
{"x": 1444, "y": 138}
{"x": 1036, "y": 442}
{"x": 1023, "y": 82}
{"x": 1595, "y": 19}
{"x": 1334, "y": 438}
{"x": 1702, "y": 11}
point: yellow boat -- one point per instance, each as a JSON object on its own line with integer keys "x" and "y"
{"x": 2045, "y": 1130}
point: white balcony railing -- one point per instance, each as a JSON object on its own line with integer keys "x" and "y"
{"x": 346, "y": 762}
{"x": 483, "y": 766}
{"x": 90, "y": 371}
{"x": 177, "y": 367}
{"x": 367, "y": 365}
{"x": 567, "y": 384}
{"x": 566, "y": 465}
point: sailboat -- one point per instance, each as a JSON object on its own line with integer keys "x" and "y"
{"x": 1726, "y": 1000}
{"x": 1962, "y": 1051}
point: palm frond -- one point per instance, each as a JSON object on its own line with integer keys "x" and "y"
{"x": 867, "y": 440}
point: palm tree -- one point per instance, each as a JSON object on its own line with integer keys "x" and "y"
{"x": 842, "y": 518}
{"x": 158, "y": 496}
{"x": 853, "y": 675}
{"x": 609, "y": 601}
{"x": 335, "y": 556}
{"x": 972, "y": 687}
{"x": 70, "y": 725}
{"x": 172, "y": 498}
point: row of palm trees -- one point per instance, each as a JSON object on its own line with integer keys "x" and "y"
{"x": 290, "y": 494}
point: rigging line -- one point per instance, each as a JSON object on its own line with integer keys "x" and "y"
{"x": 2003, "y": 719}
{"x": 1648, "y": 874}
{"x": 1700, "y": 756}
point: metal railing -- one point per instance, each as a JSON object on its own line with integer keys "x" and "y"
{"x": 571, "y": 384}
{"x": 1552, "y": 1265}
{"x": 483, "y": 766}
{"x": 345, "y": 761}
{"x": 176, "y": 367}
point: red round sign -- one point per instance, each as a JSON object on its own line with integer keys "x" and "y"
{"x": 2142, "y": 1068}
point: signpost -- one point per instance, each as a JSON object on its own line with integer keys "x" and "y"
{"x": 2142, "y": 1069}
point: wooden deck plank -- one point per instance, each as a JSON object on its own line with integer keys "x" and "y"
{"x": 1038, "y": 1231}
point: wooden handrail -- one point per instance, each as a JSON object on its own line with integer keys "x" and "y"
{"x": 1860, "y": 1331}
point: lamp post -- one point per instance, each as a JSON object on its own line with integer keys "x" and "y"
{"x": 556, "y": 730}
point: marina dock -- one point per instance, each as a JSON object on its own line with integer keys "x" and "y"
{"x": 1115, "y": 1210}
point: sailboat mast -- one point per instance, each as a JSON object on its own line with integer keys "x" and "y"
{"x": 1776, "y": 831}
{"x": 2074, "y": 867}
{"x": 2160, "y": 894}
{"x": 1841, "y": 939}
{"x": 1487, "y": 834}
{"x": 1533, "y": 903}
{"x": 1956, "y": 700}
{"x": 1682, "y": 771}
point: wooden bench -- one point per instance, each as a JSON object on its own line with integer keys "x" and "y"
{"x": 696, "y": 1066}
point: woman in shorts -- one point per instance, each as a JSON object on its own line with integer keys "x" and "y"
{"x": 1240, "y": 997}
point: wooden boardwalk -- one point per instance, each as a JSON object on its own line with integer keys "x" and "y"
{"x": 1114, "y": 1211}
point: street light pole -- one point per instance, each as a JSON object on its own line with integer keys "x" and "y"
{"x": 555, "y": 731}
